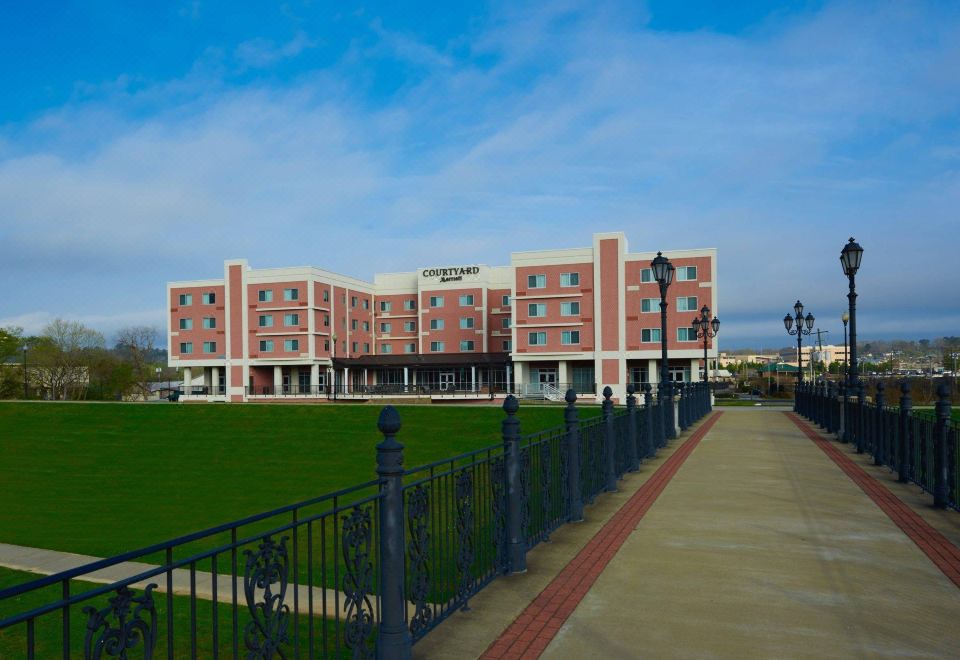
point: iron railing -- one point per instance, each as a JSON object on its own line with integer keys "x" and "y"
{"x": 365, "y": 570}
{"x": 922, "y": 448}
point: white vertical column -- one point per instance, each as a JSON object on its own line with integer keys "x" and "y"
{"x": 473, "y": 378}
{"x": 509, "y": 370}
{"x": 346, "y": 380}
{"x": 215, "y": 380}
{"x": 406, "y": 376}
{"x": 695, "y": 370}
{"x": 653, "y": 371}
{"x": 277, "y": 379}
{"x": 187, "y": 379}
{"x": 314, "y": 377}
{"x": 563, "y": 374}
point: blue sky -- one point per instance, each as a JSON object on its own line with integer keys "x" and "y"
{"x": 140, "y": 144}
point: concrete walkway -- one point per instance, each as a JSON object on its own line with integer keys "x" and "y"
{"x": 760, "y": 546}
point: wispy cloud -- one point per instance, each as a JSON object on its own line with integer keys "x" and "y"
{"x": 261, "y": 53}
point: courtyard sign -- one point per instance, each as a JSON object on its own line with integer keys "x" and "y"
{"x": 454, "y": 274}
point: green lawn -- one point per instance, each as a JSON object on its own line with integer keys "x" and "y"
{"x": 101, "y": 479}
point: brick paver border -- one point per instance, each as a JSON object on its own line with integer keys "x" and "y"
{"x": 944, "y": 554}
{"x": 538, "y": 624}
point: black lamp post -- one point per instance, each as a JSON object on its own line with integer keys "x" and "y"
{"x": 850, "y": 257}
{"x": 662, "y": 271}
{"x": 705, "y": 329}
{"x": 800, "y": 321}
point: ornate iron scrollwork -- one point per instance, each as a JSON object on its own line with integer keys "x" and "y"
{"x": 358, "y": 581}
{"x": 525, "y": 492}
{"x": 463, "y": 492}
{"x": 267, "y": 570}
{"x": 114, "y": 641}
{"x": 418, "y": 550}
{"x": 498, "y": 487}
{"x": 545, "y": 482}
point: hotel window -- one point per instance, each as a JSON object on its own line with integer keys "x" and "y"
{"x": 366, "y": 326}
{"x": 410, "y": 348}
{"x": 265, "y": 321}
{"x": 650, "y": 335}
{"x": 537, "y": 338}
{"x": 326, "y": 345}
{"x": 265, "y": 295}
{"x": 209, "y": 322}
{"x": 466, "y": 345}
{"x": 466, "y": 323}
{"x": 326, "y": 295}
{"x": 409, "y": 305}
{"x": 410, "y": 326}
{"x": 366, "y": 303}
{"x": 505, "y": 323}
{"x": 507, "y": 345}
{"x": 209, "y": 347}
{"x": 208, "y": 298}
{"x": 686, "y": 273}
{"x": 366, "y": 347}
{"x": 353, "y": 301}
{"x": 355, "y": 347}
{"x": 570, "y": 337}
{"x": 569, "y": 279}
{"x": 291, "y": 319}
{"x": 291, "y": 294}
{"x": 186, "y": 299}
{"x": 291, "y": 345}
{"x": 436, "y": 301}
{"x": 536, "y": 309}
{"x": 385, "y": 306}
{"x": 505, "y": 301}
{"x": 570, "y": 309}
{"x": 385, "y": 328}
{"x": 266, "y": 345}
{"x": 186, "y": 324}
{"x": 649, "y": 305}
{"x": 186, "y": 347}
{"x": 466, "y": 300}
{"x": 436, "y": 347}
{"x": 326, "y": 320}
{"x": 687, "y": 304}
{"x": 536, "y": 281}
{"x": 646, "y": 275}
{"x": 436, "y": 324}
{"x": 354, "y": 324}
{"x": 386, "y": 348}
{"x": 686, "y": 334}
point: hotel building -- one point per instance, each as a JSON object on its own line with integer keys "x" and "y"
{"x": 553, "y": 319}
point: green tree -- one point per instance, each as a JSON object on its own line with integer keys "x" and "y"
{"x": 61, "y": 362}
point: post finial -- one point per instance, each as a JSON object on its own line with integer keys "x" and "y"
{"x": 389, "y": 421}
{"x": 607, "y": 392}
{"x": 571, "y": 396}
{"x": 511, "y": 405}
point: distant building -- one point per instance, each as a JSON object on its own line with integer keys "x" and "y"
{"x": 550, "y": 320}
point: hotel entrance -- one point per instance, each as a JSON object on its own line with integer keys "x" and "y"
{"x": 448, "y": 381}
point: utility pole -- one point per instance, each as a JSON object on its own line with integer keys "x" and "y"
{"x": 820, "y": 334}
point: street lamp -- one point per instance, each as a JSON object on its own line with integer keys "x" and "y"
{"x": 845, "y": 317}
{"x": 850, "y": 257}
{"x": 804, "y": 325}
{"x": 662, "y": 271}
{"x": 705, "y": 328}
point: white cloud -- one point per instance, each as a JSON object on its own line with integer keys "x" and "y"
{"x": 261, "y": 53}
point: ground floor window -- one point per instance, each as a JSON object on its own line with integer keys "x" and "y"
{"x": 639, "y": 375}
{"x": 680, "y": 374}
{"x": 584, "y": 379}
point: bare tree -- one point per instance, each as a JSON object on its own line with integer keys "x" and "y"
{"x": 61, "y": 358}
{"x": 137, "y": 344}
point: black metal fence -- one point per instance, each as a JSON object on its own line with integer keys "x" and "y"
{"x": 921, "y": 446}
{"x": 367, "y": 570}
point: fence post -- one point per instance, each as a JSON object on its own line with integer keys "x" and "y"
{"x": 633, "y": 453}
{"x": 649, "y": 451}
{"x": 572, "y": 419}
{"x": 393, "y": 638}
{"x": 831, "y": 410}
{"x": 879, "y": 439}
{"x": 665, "y": 390}
{"x": 842, "y": 411}
{"x": 610, "y": 441}
{"x": 941, "y": 489}
{"x": 857, "y": 417}
{"x": 678, "y": 390}
{"x": 516, "y": 543}
{"x": 903, "y": 458}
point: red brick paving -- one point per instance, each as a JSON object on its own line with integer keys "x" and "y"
{"x": 531, "y": 632}
{"x": 935, "y": 545}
